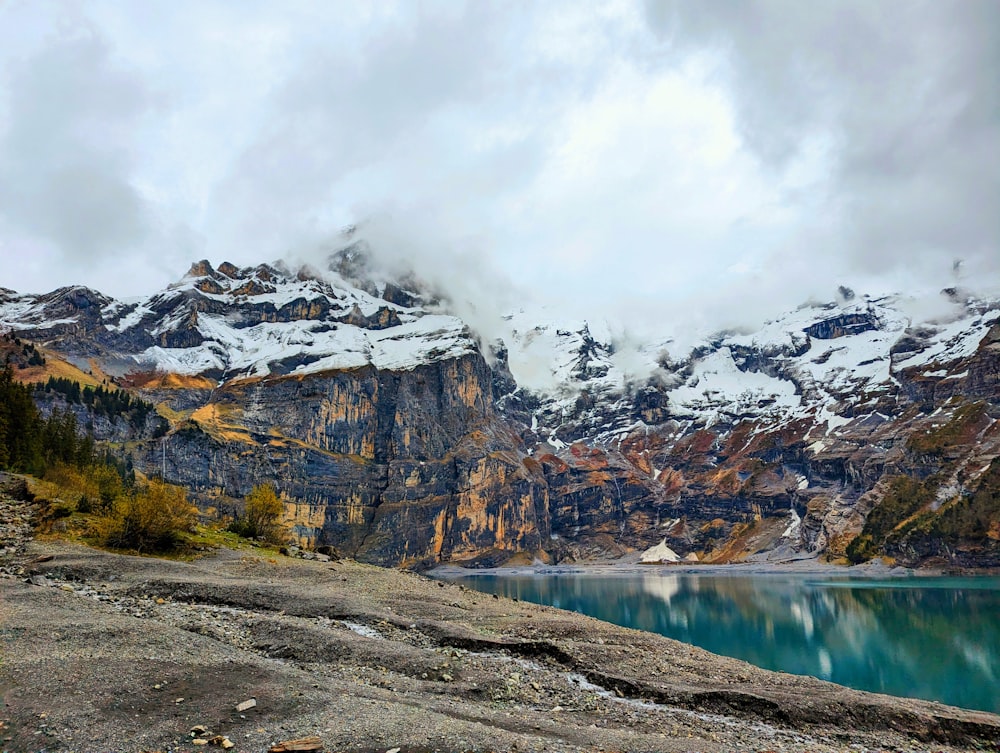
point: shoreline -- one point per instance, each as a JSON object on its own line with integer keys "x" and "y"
{"x": 812, "y": 566}
{"x": 676, "y": 600}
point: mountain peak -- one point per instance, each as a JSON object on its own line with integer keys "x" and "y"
{"x": 227, "y": 268}
{"x": 201, "y": 268}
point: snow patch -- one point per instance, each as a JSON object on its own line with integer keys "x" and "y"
{"x": 659, "y": 554}
{"x": 793, "y": 525}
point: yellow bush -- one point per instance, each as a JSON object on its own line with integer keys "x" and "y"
{"x": 65, "y": 477}
{"x": 153, "y": 518}
{"x": 105, "y": 485}
{"x": 262, "y": 514}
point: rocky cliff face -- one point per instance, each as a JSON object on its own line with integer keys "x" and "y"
{"x": 394, "y": 436}
{"x": 782, "y": 443}
{"x": 399, "y": 467}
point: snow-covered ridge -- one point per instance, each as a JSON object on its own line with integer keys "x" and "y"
{"x": 343, "y": 326}
{"x": 305, "y": 347}
{"x": 259, "y": 321}
{"x": 824, "y": 362}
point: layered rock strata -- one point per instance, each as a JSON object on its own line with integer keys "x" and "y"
{"x": 394, "y": 435}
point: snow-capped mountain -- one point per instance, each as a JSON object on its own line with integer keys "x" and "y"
{"x": 824, "y": 362}
{"x": 397, "y": 435}
{"x": 259, "y": 321}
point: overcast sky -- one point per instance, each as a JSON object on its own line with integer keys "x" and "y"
{"x": 649, "y": 160}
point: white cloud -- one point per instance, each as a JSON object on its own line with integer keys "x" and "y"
{"x": 66, "y": 151}
{"x": 903, "y": 97}
{"x": 660, "y": 162}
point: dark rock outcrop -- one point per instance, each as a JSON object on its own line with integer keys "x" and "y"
{"x": 840, "y": 326}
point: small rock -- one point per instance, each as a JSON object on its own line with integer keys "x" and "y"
{"x": 247, "y": 704}
{"x": 160, "y": 600}
{"x": 226, "y": 744}
{"x": 38, "y": 580}
{"x": 392, "y": 750}
{"x": 199, "y": 741}
{"x": 199, "y": 730}
{"x": 310, "y": 744}
{"x": 66, "y": 587}
{"x": 179, "y": 700}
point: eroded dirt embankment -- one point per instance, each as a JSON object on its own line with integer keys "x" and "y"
{"x": 103, "y": 652}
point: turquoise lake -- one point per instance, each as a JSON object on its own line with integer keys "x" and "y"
{"x": 926, "y": 637}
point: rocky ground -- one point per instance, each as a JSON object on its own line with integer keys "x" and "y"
{"x": 103, "y": 652}
{"x": 17, "y": 518}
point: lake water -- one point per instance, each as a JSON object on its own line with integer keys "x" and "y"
{"x": 925, "y": 637}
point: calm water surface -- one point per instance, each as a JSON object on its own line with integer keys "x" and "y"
{"x": 927, "y": 637}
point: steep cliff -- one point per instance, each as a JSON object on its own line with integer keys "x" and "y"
{"x": 393, "y": 434}
{"x": 783, "y": 442}
{"x": 387, "y": 466}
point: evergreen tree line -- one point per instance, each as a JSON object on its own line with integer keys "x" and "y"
{"x": 31, "y": 442}
{"x": 102, "y": 402}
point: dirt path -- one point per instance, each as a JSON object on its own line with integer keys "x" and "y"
{"x": 103, "y": 652}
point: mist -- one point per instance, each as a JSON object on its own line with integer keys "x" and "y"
{"x": 665, "y": 167}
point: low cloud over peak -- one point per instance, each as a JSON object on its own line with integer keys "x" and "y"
{"x": 645, "y": 162}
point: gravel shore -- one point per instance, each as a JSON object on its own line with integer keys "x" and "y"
{"x": 104, "y": 652}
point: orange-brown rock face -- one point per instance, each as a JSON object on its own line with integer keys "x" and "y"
{"x": 391, "y": 467}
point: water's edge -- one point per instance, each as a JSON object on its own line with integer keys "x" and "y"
{"x": 896, "y": 631}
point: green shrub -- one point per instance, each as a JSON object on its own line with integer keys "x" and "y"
{"x": 973, "y": 517}
{"x": 861, "y": 549}
{"x": 939, "y": 441}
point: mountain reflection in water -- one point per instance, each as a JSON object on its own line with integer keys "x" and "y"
{"x": 934, "y": 638}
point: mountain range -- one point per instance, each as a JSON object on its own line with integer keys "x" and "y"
{"x": 397, "y": 434}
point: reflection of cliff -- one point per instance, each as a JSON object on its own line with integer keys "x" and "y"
{"x": 901, "y": 637}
